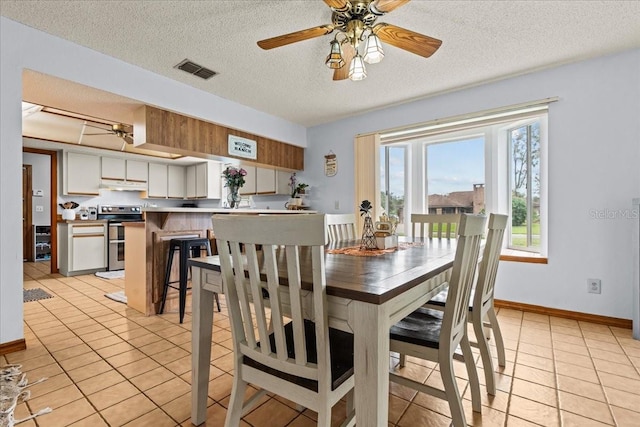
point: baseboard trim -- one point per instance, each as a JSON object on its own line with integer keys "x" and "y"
{"x": 566, "y": 314}
{"x": 13, "y": 346}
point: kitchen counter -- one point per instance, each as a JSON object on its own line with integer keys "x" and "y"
{"x": 225, "y": 210}
{"x": 147, "y": 250}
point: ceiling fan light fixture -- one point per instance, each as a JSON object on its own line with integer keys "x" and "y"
{"x": 335, "y": 58}
{"x": 373, "y": 52}
{"x": 357, "y": 70}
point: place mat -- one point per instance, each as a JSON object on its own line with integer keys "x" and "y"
{"x": 34, "y": 294}
{"x": 356, "y": 251}
{"x": 117, "y": 296}
{"x": 117, "y": 274}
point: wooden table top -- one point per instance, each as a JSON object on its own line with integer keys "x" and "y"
{"x": 375, "y": 279}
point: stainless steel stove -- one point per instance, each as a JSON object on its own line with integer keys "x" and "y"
{"x": 115, "y": 216}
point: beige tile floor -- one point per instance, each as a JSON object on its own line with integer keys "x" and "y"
{"x": 109, "y": 365}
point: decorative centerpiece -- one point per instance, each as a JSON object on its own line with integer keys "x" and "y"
{"x": 385, "y": 233}
{"x": 368, "y": 236}
{"x": 234, "y": 180}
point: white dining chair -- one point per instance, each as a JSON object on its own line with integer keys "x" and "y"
{"x": 435, "y": 335}
{"x": 482, "y": 314}
{"x": 434, "y": 225}
{"x": 341, "y": 227}
{"x": 301, "y": 360}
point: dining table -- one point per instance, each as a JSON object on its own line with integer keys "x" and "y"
{"x": 367, "y": 292}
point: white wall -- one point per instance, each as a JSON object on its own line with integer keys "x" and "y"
{"x": 21, "y": 48}
{"x": 594, "y": 159}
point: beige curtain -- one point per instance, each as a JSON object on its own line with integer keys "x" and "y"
{"x": 366, "y": 170}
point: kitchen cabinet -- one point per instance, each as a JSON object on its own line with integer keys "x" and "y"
{"x": 282, "y": 182}
{"x": 83, "y": 247}
{"x": 120, "y": 169}
{"x": 176, "y": 182}
{"x": 259, "y": 180}
{"x": 137, "y": 171}
{"x": 113, "y": 168}
{"x": 265, "y": 180}
{"x": 157, "y": 185}
{"x": 204, "y": 181}
{"x": 82, "y": 174}
{"x": 249, "y": 186}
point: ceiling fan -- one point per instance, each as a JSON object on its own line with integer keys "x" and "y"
{"x": 120, "y": 130}
{"x": 358, "y": 36}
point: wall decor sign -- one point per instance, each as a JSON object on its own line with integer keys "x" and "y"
{"x": 243, "y": 147}
{"x": 330, "y": 164}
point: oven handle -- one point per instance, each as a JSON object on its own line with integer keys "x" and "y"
{"x": 111, "y": 242}
{"x": 115, "y": 224}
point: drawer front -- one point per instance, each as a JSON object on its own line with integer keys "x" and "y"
{"x": 87, "y": 229}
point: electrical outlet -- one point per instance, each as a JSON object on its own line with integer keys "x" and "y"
{"x": 336, "y": 205}
{"x": 594, "y": 286}
{"x": 39, "y": 208}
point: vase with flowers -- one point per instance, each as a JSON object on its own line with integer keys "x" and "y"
{"x": 234, "y": 180}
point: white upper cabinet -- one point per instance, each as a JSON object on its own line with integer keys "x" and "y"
{"x": 119, "y": 169}
{"x": 282, "y": 182}
{"x": 249, "y": 186}
{"x": 176, "y": 185}
{"x": 265, "y": 180}
{"x": 204, "y": 181}
{"x": 157, "y": 187}
{"x": 137, "y": 171}
{"x": 82, "y": 174}
{"x": 113, "y": 168}
{"x": 259, "y": 180}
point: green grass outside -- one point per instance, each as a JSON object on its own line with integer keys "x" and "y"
{"x": 519, "y": 235}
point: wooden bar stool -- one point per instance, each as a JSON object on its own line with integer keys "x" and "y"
{"x": 184, "y": 246}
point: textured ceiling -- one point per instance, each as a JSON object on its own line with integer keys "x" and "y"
{"x": 482, "y": 41}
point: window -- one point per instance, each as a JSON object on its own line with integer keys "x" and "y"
{"x": 455, "y": 176}
{"x": 392, "y": 182}
{"x": 473, "y": 164}
{"x": 524, "y": 180}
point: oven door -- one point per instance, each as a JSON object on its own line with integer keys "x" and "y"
{"x": 116, "y": 246}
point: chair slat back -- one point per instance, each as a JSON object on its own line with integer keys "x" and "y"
{"x": 470, "y": 233}
{"x": 341, "y": 227}
{"x": 435, "y": 225}
{"x": 271, "y": 260}
{"x": 490, "y": 259}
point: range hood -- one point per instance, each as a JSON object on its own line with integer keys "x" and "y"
{"x": 117, "y": 185}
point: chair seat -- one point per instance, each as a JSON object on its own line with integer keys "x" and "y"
{"x": 422, "y": 327}
{"x": 341, "y": 345}
{"x": 441, "y": 299}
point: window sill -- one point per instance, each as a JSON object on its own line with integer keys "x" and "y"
{"x": 522, "y": 256}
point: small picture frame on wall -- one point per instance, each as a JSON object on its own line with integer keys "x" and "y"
{"x": 330, "y": 164}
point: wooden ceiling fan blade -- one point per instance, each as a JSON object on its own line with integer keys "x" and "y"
{"x": 128, "y": 139}
{"x": 297, "y": 36}
{"x": 386, "y": 6}
{"x": 406, "y": 39}
{"x": 96, "y": 127}
{"x": 337, "y": 4}
{"x": 348, "y": 52}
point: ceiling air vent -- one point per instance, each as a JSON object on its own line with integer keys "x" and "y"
{"x": 195, "y": 69}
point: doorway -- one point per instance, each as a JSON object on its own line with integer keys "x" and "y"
{"x": 27, "y": 221}
{"x": 53, "y": 190}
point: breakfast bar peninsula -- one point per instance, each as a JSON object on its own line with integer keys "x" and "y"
{"x": 147, "y": 247}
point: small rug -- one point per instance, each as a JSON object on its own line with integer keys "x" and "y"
{"x": 117, "y": 296}
{"x": 34, "y": 294}
{"x": 116, "y": 274}
{"x": 355, "y": 250}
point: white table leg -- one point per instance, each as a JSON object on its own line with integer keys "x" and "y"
{"x": 201, "y": 339}
{"x": 370, "y": 325}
